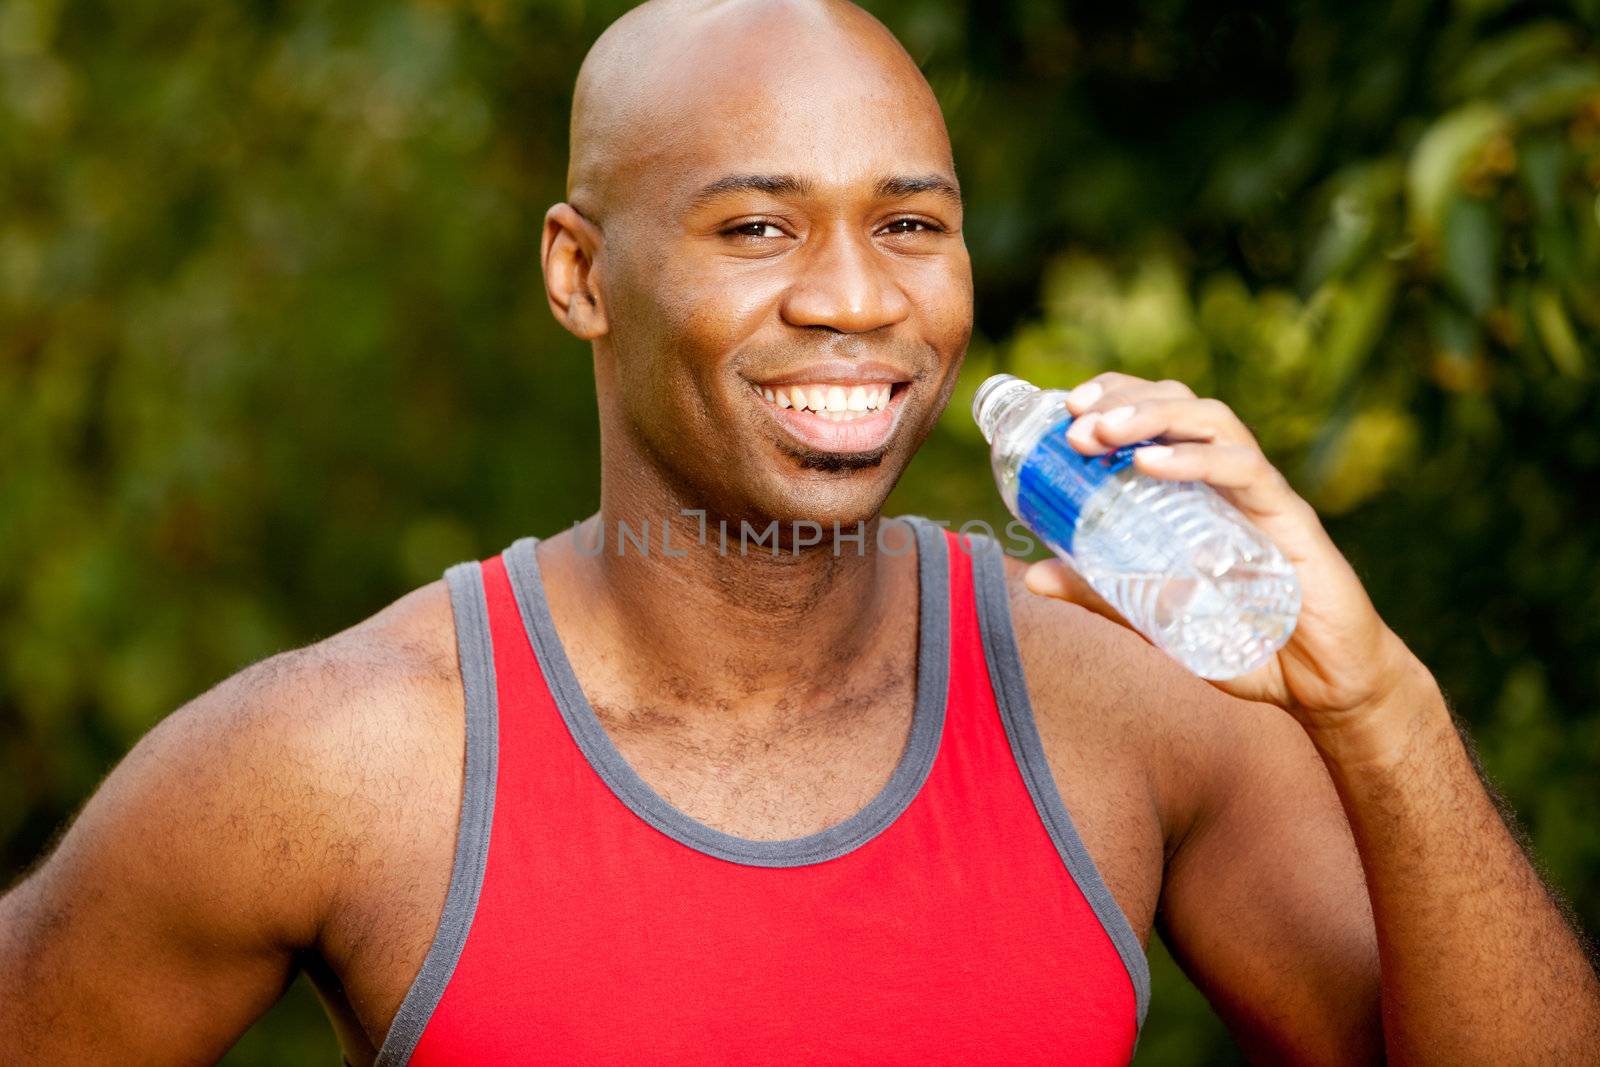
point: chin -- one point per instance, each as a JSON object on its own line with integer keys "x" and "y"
{"x": 827, "y": 502}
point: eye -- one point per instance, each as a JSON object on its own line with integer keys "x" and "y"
{"x": 911, "y": 226}
{"x": 754, "y": 229}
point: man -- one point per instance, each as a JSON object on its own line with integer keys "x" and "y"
{"x": 592, "y": 800}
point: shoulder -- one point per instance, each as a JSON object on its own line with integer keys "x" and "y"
{"x": 304, "y": 804}
{"x": 354, "y": 702}
{"x": 393, "y": 675}
{"x": 1107, "y": 702}
{"x": 298, "y": 773}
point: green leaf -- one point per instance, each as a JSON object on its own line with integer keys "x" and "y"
{"x": 1542, "y": 163}
{"x": 1490, "y": 65}
{"x": 1360, "y": 203}
{"x": 1554, "y": 93}
{"x": 1471, "y": 247}
{"x": 1441, "y": 157}
{"x": 1357, "y": 318}
{"x": 1555, "y": 330}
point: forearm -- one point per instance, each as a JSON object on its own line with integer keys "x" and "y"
{"x": 1478, "y": 963}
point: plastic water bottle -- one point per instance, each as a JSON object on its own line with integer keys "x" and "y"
{"x": 1186, "y": 568}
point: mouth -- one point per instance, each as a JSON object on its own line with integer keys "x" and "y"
{"x": 836, "y": 416}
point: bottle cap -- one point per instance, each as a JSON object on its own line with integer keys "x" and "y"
{"x": 993, "y": 397}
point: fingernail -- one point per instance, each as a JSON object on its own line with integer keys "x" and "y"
{"x": 1085, "y": 394}
{"x": 1117, "y": 416}
{"x": 1155, "y": 452}
{"x": 1083, "y": 426}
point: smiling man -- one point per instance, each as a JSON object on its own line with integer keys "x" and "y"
{"x": 887, "y": 798}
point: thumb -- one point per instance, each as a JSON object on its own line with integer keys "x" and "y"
{"x": 1053, "y": 578}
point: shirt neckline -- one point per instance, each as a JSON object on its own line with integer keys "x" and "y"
{"x": 922, "y": 745}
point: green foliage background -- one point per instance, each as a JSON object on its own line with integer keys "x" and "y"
{"x": 273, "y": 345}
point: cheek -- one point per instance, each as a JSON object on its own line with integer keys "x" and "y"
{"x": 693, "y": 320}
{"x": 941, "y": 289}
{"x": 719, "y": 304}
{"x": 670, "y": 290}
{"x": 679, "y": 322}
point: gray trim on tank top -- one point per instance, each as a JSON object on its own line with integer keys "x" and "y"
{"x": 927, "y": 721}
{"x": 469, "y": 606}
{"x": 1011, "y": 693}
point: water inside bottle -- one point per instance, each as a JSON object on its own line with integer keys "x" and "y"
{"x": 1216, "y": 595}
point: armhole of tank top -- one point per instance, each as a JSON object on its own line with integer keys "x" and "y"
{"x": 469, "y": 605}
{"x": 1016, "y": 711}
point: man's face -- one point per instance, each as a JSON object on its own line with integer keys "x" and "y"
{"x": 787, "y": 288}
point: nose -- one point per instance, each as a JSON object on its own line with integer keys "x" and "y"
{"x": 847, "y": 285}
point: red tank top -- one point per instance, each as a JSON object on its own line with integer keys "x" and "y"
{"x": 954, "y": 919}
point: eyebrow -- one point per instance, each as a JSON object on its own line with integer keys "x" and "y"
{"x": 900, "y": 188}
{"x": 776, "y": 184}
{"x": 895, "y": 188}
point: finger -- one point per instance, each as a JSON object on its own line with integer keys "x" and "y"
{"x": 1166, "y": 419}
{"x": 1053, "y": 578}
{"x": 1242, "y": 472}
{"x": 1112, "y": 389}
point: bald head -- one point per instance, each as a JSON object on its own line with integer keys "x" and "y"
{"x": 761, "y": 195}
{"x": 671, "y": 75}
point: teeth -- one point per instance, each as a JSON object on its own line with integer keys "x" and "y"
{"x": 833, "y": 402}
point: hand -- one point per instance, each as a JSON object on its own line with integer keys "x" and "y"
{"x": 1341, "y": 658}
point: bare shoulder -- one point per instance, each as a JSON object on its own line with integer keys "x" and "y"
{"x": 341, "y": 752}
{"x": 293, "y": 770}
{"x": 363, "y": 702}
{"x": 1142, "y": 749}
{"x": 1100, "y": 690}
{"x": 303, "y": 806}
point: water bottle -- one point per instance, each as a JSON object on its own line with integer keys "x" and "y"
{"x": 1182, "y": 565}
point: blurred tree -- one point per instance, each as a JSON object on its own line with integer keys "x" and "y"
{"x": 272, "y": 331}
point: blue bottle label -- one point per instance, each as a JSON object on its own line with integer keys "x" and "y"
{"x": 1056, "y": 481}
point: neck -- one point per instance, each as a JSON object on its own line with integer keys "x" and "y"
{"x": 732, "y": 616}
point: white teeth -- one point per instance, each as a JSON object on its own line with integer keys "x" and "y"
{"x": 833, "y": 402}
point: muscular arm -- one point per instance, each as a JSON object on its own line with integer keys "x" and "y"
{"x": 1439, "y": 917}
{"x": 1338, "y": 903}
{"x": 1264, "y": 903}
{"x": 168, "y": 918}
{"x": 1346, "y": 902}
{"x": 1248, "y": 866}
{"x": 1478, "y": 962}
{"x": 238, "y": 835}
{"x": 1474, "y": 962}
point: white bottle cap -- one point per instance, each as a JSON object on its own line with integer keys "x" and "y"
{"x": 993, "y": 396}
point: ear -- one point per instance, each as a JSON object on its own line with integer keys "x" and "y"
{"x": 568, "y": 249}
